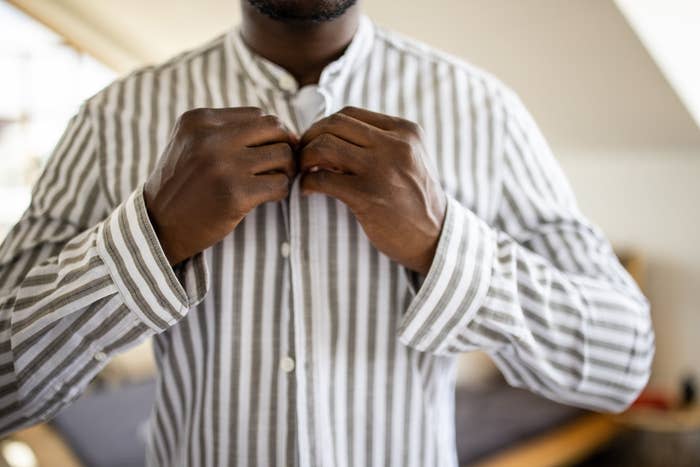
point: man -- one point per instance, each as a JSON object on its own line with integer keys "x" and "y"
{"x": 313, "y": 217}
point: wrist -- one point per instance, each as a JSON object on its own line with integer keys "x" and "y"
{"x": 436, "y": 219}
{"x": 167, "y": 245}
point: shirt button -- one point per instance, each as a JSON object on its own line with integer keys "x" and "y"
{"x": 100, "y": 356}
{"x": 285, "y": 249}
{"x": 287, "y": 364}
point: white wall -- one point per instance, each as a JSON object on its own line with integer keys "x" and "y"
{"x": 649, "y": 202}
{"x": 625, "y": 140}
{"x": 627, "y": 143}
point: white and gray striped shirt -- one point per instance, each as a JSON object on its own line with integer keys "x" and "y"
{"x": 293, "y": 341}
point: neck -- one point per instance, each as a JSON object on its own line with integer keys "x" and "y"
{"x": 303, "y": 48}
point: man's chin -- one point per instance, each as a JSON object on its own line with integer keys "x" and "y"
{"x": 302, "y": 10}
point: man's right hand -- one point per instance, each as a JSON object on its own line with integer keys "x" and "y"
{"x": 218, "y": 165}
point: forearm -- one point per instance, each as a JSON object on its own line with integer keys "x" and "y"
{"x": 583, "y": 339}
{"x": 107, "y": 289}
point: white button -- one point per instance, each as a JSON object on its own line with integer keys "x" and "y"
{"x": 287, "y": 364}
{"x": 100, "y": 356}
{"x": 285, "y": 249}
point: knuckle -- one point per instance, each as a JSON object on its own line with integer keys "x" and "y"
{"x": 278, "y": 151}
{"x": 410, "y": 127}
{"x": 349, "y": 108}
{"x": 191, "y": 114}
{"x": 272, "y": 121}
{"x": 250, "y": 110}
{"x": 313, "y": 148}
{"x": 283, "y": 183}
{"x": 403, "y": 146}
{"x": 195, "y": 115}
{"x": 193, "y": 121}
{"x": 279, "y": 185}
{"x": 286, "y": 150}
{"x": 324, "y": 140}
{"x": 335, "y": 119}
{"x": 286, "y": 153}
{"x": 317, "y": 148}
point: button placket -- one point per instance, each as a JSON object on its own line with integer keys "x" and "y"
{"x": 298, "y": 348}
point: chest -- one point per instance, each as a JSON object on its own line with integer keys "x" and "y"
{"x": 458, "y": 127}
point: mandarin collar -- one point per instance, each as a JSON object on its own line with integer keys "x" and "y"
{"x": 266, "y": 75}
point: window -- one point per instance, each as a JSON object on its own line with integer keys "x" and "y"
{"x": 43, "y": 82}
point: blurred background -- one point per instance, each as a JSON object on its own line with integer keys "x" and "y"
{"x": 614, "y": 87}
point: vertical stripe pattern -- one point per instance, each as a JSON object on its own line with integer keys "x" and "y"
{"x": 294, "y": 341}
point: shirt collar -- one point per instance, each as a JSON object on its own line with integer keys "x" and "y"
{"x": 268, "y": 75}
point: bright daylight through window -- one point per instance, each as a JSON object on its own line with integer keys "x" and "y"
{"x": 42, "y": 83}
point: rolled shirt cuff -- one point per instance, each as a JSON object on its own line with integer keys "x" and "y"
{"x": 456, "y": 283}
{"x": 158, "y": 294}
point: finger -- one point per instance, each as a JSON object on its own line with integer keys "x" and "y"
{"x": 270, "y": 187}
{"x": 344, "y": 127}
{"x": 339, "y": 186}
{"x": 267, "y": 129}
{"x": 221, "y": 116}
{"x": 277, "y": 157}
{"x": 226, "y": 115}
{"x": 385, "y": 122}
{"x": 328, "y": 151}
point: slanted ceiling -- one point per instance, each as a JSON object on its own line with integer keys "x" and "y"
{"x": 577, "y": 64}
{"x": 669, "y": 29}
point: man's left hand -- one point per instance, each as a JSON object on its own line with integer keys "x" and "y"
{"x": 374, "y": 164}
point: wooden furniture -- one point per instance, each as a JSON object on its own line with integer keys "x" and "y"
{"x": 48, "y": 446}
{"x": 564, "y": 446}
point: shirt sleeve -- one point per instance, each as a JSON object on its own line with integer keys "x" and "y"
{"x": 540, "y": 289}
{"x": 80, "y": 282}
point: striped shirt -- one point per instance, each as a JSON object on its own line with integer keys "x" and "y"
{"x": 294, "y": 341}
